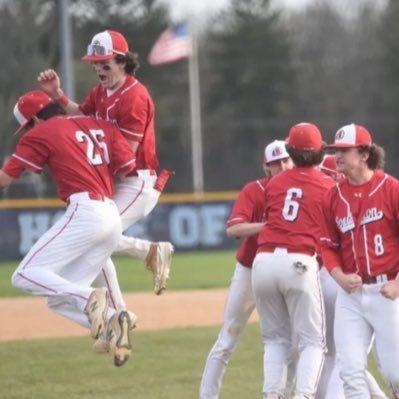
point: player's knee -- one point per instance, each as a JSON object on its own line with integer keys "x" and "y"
{"x": 224, "y": 350}
{"x": 16, "y": 280}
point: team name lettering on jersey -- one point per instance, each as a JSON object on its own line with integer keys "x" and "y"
{"x": 372, "y": 215}
{"x": 345, "y": 224}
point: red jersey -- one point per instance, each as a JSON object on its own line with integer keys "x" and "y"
{"x": 82, "y": 154}
{"x": 248, "y": 208}
{"x": 293, "y": 210}
{"x": 132, "y": 110}
{"x": 361, "y": 226}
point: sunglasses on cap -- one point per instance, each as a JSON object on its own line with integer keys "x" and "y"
{"x": 100, "y": 50}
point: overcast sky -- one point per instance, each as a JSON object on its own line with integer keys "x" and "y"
{"x": 180, "y": 9}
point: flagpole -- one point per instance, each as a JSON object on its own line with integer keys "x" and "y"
{"x": 195, "y": 115}
{"x": 66, "y": 44}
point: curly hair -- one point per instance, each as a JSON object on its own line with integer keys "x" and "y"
{"x": 131, "y": 61}
{"x": 376, "y": 158}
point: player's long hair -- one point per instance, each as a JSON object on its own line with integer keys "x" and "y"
{"x": 52, "y": 109}
{"x": 305, "y": 158}
{"x": 376, "y": 158}
{"x": 131, "y": 61}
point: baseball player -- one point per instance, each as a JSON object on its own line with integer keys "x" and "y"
{"x": 122, "y": 99}
{"x": 359, "y": 248}
{"x": 245, "y": 221}
{"x": 285, "y": 275}
{"x": 82, "y": 155}
{"x": 330, "y": 385}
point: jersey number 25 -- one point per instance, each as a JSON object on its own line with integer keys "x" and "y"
{"x": 97, "y": 150}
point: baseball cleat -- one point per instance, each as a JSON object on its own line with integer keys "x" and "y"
{"x": 159, "y": 261}
{"x": 102, "y": 345}
{"x": 96, "y": 311}
{"x": 118, "y": 337}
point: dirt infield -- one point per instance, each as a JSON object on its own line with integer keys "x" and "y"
{"x": 29, "y": 318}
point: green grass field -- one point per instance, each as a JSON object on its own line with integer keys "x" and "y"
{"x": 194, "y": 270}
{"x": 165, "y": 364}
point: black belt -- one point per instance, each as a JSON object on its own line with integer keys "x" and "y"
{"x": 381, "y": 278}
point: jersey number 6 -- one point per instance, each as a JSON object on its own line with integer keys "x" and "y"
{"x": 291, "y": 207}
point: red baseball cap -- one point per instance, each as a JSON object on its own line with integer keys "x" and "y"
{"x": 328, "y": 163}
{"x": 351, "y": 136}
{"x": 329, "y": 167}
{"x": 305, "y": 137}
{"x": 105, "y": 46}
{"x": 275, "y": 151}
{"x": 29, "y": 105}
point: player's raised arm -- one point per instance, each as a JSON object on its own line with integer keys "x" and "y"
{"x": 5, "y": 180}
{"x": 51, "y": 85}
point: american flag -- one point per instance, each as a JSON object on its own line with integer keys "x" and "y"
{"x": 173, "y": 45}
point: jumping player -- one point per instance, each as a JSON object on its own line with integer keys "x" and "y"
{"x": 83, "y": 155}
{"x": 123, "y": 100}
{"x": 245, "y": 221}
{"x": 285, "y": 276}
{"x": 359, "y": 248}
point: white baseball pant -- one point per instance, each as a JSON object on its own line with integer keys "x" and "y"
{"x": 331, "y": 385}
{"x": 135, "y": 198}
{"x": 64, "y": 262}
{"x": 324, "y": 390}
{"x": 357, "y": 317}
{"x": 291, "y": 309}
{"x": 239, "y": 306}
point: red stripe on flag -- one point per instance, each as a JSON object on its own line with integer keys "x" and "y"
{"x": 173, "y": 45}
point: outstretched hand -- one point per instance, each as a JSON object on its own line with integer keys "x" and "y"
{"x": 50, "y": 83}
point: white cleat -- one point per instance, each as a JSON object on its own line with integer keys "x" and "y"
{"x": 102, "y": 345}
{"x": 96, "y": 311}
{"x": 159, "y": 261}
{"x": 118, "y": 337}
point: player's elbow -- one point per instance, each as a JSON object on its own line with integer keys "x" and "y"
{"x": 232, "y": 232}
